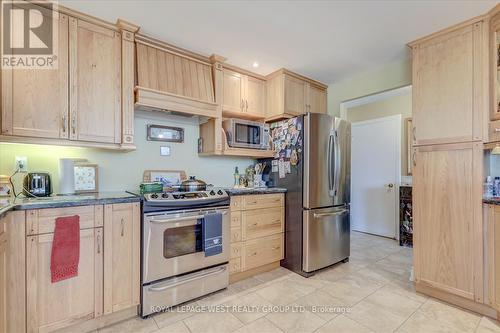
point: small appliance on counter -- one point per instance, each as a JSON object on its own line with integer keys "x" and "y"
{"x": 37, "y": 184}
{"x": 246, "y": 134}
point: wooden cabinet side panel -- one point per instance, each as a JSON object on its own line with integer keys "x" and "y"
{"x": 495, "y": 295}
{"x": 444, "y": 209}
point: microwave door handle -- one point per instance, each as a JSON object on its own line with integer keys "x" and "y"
{"x": 188, "y": 279}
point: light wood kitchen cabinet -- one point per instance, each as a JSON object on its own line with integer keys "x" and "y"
{"x": 494, "y": 46}
{"x": 491, "y": 220}
{"x": 447, "y": 219}
{"x": 3, "y": 275}
{"x": 95, "y": 87}
{"x": 243, "y": 95}
{"x": 35, "y": 101}
{"x": 121, "y": 256}
{"x": 449, "y": 86}
{"x": 290, "y": 94}
{"x": 52, "y": 306}
{"x": 257, "y": 234}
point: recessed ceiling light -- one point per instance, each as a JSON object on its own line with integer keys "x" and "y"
{"x": 255, "y": 64}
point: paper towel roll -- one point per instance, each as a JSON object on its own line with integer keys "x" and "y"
{"x": 67, "y": 175}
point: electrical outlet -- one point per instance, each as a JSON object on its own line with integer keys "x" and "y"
{"x": 21, "y": 163}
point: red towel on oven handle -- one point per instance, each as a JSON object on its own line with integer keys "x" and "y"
{"x": 65, "y": 248}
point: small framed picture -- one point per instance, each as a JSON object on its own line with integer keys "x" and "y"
{"x": 165, "y": 133}
{"x": 86, "y": 177}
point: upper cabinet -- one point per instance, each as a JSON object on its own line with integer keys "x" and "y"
{"x": 243, "y": 95}
{"x": 290, "y": 94}
{"x": 495, "y": 67}
{"x": 85, "y": 100}
{"x": 172, "y": 79}
{"x": 35, "y": 102}
{"x": 449, "y": 80}
{"x": 95, "y": 90}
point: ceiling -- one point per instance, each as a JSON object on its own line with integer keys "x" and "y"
{"x": 326, "y": 40}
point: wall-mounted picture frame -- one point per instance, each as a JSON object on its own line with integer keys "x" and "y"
{"x": 165, "y": 133}
{"x": 409, "y": 145}
{"x": 86, "y": 177}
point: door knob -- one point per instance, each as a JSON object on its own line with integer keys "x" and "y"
{"x": 390, "y": 185}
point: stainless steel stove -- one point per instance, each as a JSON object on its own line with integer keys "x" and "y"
{"x": 174, "y": 266}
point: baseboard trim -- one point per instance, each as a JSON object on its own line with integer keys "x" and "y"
{"x": 465, "y": 303}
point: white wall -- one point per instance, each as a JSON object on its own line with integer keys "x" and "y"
{"x": 390, "y": 76}
{"x": 123, "y": 170}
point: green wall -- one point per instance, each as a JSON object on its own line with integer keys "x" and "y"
{"x": 123, "y": 170}
{"x": 390, "y": 76}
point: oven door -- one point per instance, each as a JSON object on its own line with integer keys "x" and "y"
{"x": 247, "y": 134}
{"x": 172, "y": 243}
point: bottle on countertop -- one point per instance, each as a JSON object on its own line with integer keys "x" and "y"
{"x": 496, "y": 187}
{"x": 488, "y": 187}
{"x": 236, "y": 177}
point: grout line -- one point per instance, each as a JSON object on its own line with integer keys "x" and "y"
{"x": 411, "y": 315}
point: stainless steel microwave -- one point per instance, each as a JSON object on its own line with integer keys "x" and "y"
{"x": 246, "y": 134}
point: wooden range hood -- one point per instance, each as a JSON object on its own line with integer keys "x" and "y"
{"x": 173, "y": 79}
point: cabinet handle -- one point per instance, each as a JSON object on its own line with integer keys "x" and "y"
{"x": 277, "y": 221}
{"x": 253, "y": 254}
{"x": 275, "y": 248}
{"x": 414, "y": 158}
{"x": 123, "y": 227}
{"x": 64, "y": 124}
{"x": 242, "y": 104}
{"x": 414, "y": 130}
{"x": 98, "y": 244}
{"x": 73, "y": 124}
{"x": 246, "y": 104}
{"x": 255, "y": 224}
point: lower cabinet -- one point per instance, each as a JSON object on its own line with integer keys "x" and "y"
{"x": 52, "y": 306}
{"x": 108, "y": 270}
{"x": 121, "y": 256}
{"x": 492, "y": 255}
{"x": 3, "y": 275}
{"x": 257, "y": 238}
{"x": 448, "y": 234}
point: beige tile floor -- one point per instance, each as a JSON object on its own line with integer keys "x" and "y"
{"x": 373, "y": 289}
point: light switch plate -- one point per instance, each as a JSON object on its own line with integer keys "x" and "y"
{"x": 165, "y": 151}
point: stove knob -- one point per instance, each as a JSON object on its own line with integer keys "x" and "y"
{"x": 219, "y": 192}
{"x": 212, "y": 192}
{"x": 154, "y": 196}
{"x": 164, "y": 195}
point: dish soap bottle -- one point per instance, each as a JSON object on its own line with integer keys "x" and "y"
{"x": 236, "y": 177}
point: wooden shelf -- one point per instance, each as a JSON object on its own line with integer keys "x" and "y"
{"x": 245, "y": 152}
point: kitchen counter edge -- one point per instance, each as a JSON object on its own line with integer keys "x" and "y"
{"x": 250, "y": 191}
{"x": 102, "y": 198}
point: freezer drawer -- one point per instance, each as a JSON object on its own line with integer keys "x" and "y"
{"x": 326, "y": 237}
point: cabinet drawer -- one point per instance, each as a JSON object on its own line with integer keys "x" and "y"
{"x": 262, "y": 222}
{"x": 236, "y": 219}
{"x": 262, "y": 251}
{"x": 494, "y": 131}
{"x": 263, "y": 201}
{"x": 235, "y": 235}
{"x": 43, "y": 221}
{"x": 236, "y": 250}
{"x": 234, "y": 265}
{"x": 236, "y": 203}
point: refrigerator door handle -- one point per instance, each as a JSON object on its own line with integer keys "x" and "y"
{"x": 338, "y": 159}
{"x": 330, "y": 166}
{"x": 338, "y": 212}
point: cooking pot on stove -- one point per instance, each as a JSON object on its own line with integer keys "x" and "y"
{"x": 193, "y": 184}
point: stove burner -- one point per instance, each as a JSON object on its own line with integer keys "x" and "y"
{"x": 185, "y": 200}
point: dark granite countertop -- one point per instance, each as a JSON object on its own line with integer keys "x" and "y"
{"x": 248, "y": 191}
{"x": 492, "y": 201}
{"x": 101, "y": 198}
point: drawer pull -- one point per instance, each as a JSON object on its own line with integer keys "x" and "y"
{"x": 253, "y": 254}
{"x": 276, "y": 247}
{"x": 277, "y": 221}
{"x": 255, "y": 224}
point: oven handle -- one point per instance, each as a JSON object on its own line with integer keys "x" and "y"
{"x": 188, "y": 279}
{"x": 186, "y": 218}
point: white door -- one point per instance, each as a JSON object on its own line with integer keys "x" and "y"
{"x": 375, "y": 175}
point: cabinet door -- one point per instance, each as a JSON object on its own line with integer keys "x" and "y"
{"x": 447, "y": 218}
{"x": 35, "y": 101}
{"x": 317, "y": 99}
{"x": 447, "y": 87}
{"x": 494, "y": 68}
{"x": 3, "y": 276}
{"x": 52, "y": 306}
{"x": 122, "y": 256}
{"x": 255, "y": 96}
{"x": 95, "y": 76}
{"x": 233, "y": 88}
{"x": 295, "y": 95}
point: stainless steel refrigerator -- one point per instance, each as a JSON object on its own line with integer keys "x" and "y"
{"x": 314, "y": 151}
